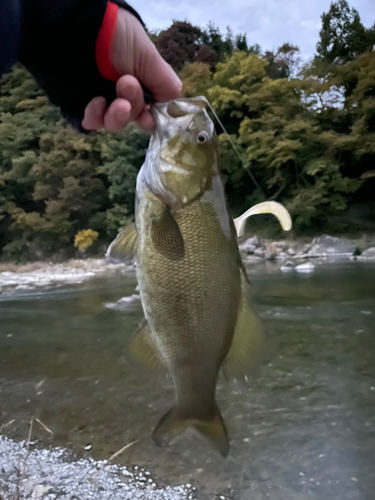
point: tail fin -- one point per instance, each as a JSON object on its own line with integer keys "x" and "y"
{"x": 213, "y": 428}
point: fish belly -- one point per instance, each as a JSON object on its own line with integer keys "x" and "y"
{"x": 191, "y": 303}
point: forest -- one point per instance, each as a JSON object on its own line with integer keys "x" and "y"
{"x": 305, "y": 131}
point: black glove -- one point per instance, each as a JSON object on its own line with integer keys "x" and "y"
{"x": 58, "y": 47}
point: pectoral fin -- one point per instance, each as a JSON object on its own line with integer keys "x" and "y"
{"x": 248, "y": 345}
{"x": 266, "y": 207}
{"x": 124, "y": 247}
{"x": 166, "y": 235}
{"x": 144, "y": 353}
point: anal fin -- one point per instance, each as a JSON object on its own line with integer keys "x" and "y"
{"x": 144, "y": 353}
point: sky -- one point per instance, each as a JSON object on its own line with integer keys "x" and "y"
{"x": 269, "y": 23}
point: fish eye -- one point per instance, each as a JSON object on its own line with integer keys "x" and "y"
{"x": 202, "y": 137}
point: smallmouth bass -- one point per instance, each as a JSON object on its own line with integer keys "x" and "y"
{"x": 193, "y": 285}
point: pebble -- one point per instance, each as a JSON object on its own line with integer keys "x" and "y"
{"x": 264, "y": 475}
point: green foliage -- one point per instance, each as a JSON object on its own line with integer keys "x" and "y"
{"x": 343, "y": 37}
{"x": 283, "y": 145}
{"x": 122, "y": 155}
{"x": 55, "y": 182}
{"x": 196, "y": 79}
{"x": 283, "y": 62}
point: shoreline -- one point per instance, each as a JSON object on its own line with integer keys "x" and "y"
{"x": 51, "y": 472}
{"x": 262, "y": 254}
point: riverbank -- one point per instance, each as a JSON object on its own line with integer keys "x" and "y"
{"x": 262, "y": 255}
{"x": 55, "y": 473}
{"x": 24, "y": 277}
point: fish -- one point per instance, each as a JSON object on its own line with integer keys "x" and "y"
{"x": 194, "y": 289}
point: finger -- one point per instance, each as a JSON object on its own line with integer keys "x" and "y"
{"x": 129, "y": 88}
{"x": 158, "y": 76}
{"x": 146, "y": 120}
{"x": 94, "y": 114}
{"x": 118, "y": 115}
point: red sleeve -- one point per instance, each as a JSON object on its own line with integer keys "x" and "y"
{"x": 104, "y": 42}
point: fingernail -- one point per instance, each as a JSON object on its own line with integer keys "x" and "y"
{"x": 99, "y": 103}
{"x": 127, "y": 91}
{"x": 124, "y": 111}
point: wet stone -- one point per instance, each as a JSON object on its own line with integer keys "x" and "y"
{"x": 326, "y": 245}
{"x": 264, "y": 475}
{"x": 368, "y": 254}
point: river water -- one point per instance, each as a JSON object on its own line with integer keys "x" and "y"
{"x": 304, "y": 430}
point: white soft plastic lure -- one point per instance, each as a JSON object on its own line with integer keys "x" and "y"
{"x": 266, "y": 207}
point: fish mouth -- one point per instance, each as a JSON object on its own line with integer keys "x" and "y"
{"x": 179, "y": 108}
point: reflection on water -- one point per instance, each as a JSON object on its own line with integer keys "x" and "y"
{"x": 304, "y": 431}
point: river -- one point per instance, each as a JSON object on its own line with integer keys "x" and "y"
{"x": 304, "y": 430}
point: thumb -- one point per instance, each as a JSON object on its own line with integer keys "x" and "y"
{"x": 157, "y": 75}
{"x": 133, "y": 53}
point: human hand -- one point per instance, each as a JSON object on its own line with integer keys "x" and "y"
{"x": 134, "y": 57}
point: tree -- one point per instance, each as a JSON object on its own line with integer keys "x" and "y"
{"x": 281, "y": 140}
{"x": 55, "y": 182}
{"x": 121, "y": 157}
{"x": 179, "y": 43}
{"x": 343, "y": 37}
{"x": 196, "y": 79}
{"x": 284, "y": 62}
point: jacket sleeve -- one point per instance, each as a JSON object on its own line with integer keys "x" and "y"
{"x": 9, "y": 33}
{"x": 58, "y": 47}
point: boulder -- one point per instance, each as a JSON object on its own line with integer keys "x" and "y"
{"x": 281, "y": 256}
{"x": 368, "y": 254}
{"x": 287, "y": 266}
{"x": 259, "y": 252}
{"x": 250, "y": 245}
{"x": 330, "y": 246}
{"x": 307, "y": 267}
{"x": 254, "y": 240}
{"x": 269, "y": 255}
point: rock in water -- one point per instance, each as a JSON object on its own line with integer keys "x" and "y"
{"x": 307, "y": 267}
{"x": 330, "y": 246}
{"x": 287, "y": 266}
{"x": 368, "y": 254}
{"x": 250, "y": 245}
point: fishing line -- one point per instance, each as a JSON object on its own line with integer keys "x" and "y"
{"x": 235, "y": 148}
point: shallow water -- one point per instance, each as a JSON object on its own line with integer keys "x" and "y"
{"x": 304, "y": 431}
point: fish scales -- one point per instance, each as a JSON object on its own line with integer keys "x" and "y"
{"x": 191, "y": 303}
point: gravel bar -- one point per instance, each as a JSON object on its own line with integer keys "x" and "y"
{"x": 49, "y": 474}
